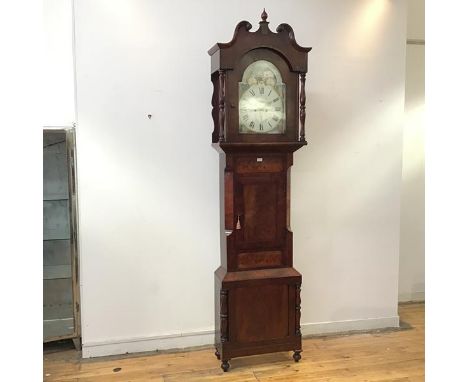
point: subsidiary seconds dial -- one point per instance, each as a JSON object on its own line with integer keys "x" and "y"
{"x": 261, "y": 109}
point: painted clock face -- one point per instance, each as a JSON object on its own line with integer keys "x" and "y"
{"x": 262, "y": 100}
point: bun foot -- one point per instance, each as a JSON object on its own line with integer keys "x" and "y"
{"x": 297, "y": 355}
{"x": 217, "y": 354}
{"x": 225, "y": 366}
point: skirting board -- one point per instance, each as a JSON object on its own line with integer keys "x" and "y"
{"x": 186, "y": 340}
{"x": 412, "y": 296}
{"x": 145, "y": 344}
{"x": 349, "y": 325}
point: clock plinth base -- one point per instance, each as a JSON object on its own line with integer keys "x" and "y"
{"x": 257, "y": 312}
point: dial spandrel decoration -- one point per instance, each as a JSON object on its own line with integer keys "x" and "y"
{"x": 262, "y": 106}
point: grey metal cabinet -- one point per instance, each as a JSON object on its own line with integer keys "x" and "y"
{"x": 61, "y": 305}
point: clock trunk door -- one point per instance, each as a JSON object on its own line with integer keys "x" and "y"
{"x": 260, "y": 230}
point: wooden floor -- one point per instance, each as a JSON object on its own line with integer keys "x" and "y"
{"x": 378, "y": 356}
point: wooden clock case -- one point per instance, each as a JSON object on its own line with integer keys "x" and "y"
{"x": 257, "y": 290}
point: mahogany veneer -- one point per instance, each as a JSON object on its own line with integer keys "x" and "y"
{"x": 257, "y": 290}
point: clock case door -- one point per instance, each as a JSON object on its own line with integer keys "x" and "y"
{"x": 261, "y": 216}
{"x": 234, "y": 77}
{"x": 257, "y": 211}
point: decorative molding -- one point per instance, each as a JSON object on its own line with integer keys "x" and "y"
{"x": 302, "y": 112}
{"x": 224, "y": 315}
{"x": 298, "y": 309}
{"x": 222, "y": 104}
{"x": 284, "y": 31}
{"x": 245, "y": 25}
{"x": 215, "y": 109}
{"x": 286, "y": 28}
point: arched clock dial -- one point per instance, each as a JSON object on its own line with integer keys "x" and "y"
{"x": 262, "y": 100}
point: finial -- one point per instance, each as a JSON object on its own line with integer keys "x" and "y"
{"x": 264, "y": 15}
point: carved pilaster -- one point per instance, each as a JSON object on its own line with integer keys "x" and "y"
{"x": 224, "y": 315}
{"x": 302, "y": 112}
{"x": 222, "y": 97}
{"x": 215, "y": 108}
{"x": 298, "y": 309}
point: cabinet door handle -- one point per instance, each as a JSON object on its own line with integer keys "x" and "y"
{"x": 238, "y": 224}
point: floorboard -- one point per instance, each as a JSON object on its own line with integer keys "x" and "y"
{"x": 378, "y": 356}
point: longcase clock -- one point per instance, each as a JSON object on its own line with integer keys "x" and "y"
{"x": 259, "y": 115}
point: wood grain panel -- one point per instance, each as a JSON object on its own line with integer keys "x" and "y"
{"x": 260, "y": 206}
{"x": 261, "y": 313}
{"x": 262, "y": 259}
{"x": 256, "y": 164}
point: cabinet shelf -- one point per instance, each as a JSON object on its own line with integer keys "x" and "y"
{"x": 55, "y": 238}
{"x": 53, "y": 272}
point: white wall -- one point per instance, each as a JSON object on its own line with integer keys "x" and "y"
{"x": 58, "y": 103}
{"x": 148, "y": 188}
{"x": 411, "y": 280}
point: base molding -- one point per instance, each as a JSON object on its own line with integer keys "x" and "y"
{"x": 147, "y": 344}
{"x": 206, "y": 337}
{"x": 316, "y": 328}
{"x": 412, "y": 296}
